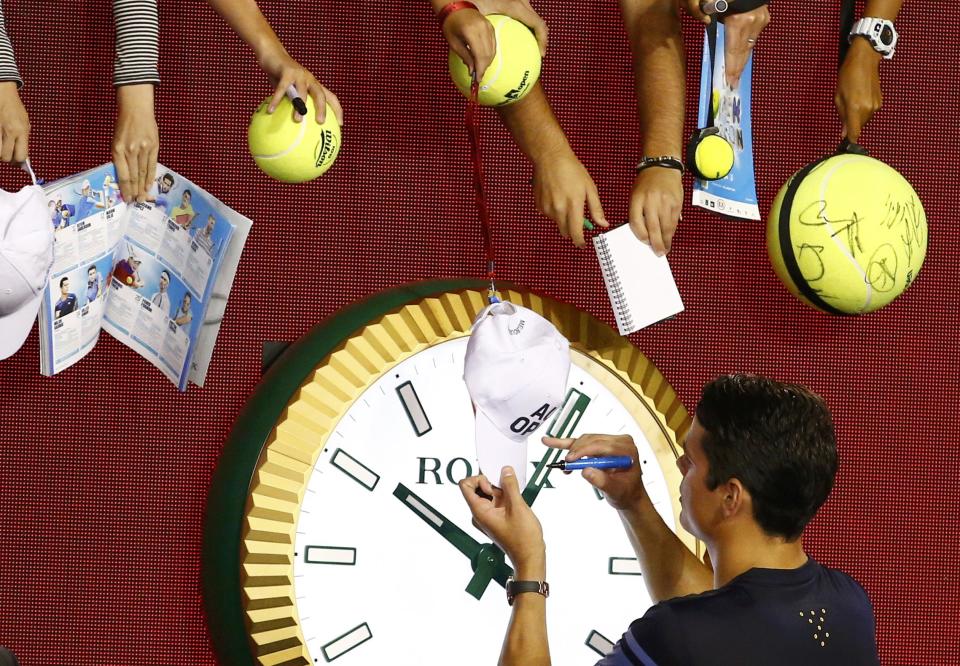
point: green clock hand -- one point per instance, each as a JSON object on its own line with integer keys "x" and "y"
{"x": 566, "y": 422}
{"x": 487, "y": 560}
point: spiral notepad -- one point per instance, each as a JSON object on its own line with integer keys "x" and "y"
{"x": 639, "y": 283}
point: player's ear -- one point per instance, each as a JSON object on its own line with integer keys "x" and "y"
{"x": 736, "y": 498}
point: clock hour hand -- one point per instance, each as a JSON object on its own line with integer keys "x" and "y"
{"x": 462, "y": 541}
{"x": 487, "y": 560}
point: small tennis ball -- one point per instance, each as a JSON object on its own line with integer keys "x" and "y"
{"x": 289, "y": 151}
{"x": 715, "y": 102}
{"x": 847, "y": 234}
{"x": 129, "y": 280}
{"x": 515, "y": 67}
{"x": 713, "y": 157}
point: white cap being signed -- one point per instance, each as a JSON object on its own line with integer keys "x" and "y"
{"x": 516, "y": 369}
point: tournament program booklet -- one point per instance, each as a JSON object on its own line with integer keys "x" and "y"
{"x": 155, "y": 275}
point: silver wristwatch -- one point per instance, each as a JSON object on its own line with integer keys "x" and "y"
{"x": 879, "y": 32}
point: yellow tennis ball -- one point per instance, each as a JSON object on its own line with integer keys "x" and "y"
{"x": 289, "y": 151}
{"x": 847, "y": 234}
{"x": 515, "y": 67}
{"x": 713, "y": 157}
{"x": 129, "y": 280}
{"x": 715, "y": 102}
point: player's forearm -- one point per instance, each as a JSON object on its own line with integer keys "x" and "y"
{"x": 653, "y": 27}
{"x": 246, "y": 19}
{"x": 534, "y": 127}
{"x": 526, "y": 641}
{"x": 669, "y": 568}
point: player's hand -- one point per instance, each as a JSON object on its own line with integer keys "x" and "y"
{"x": 14, "y": 124}
{"x": 741, "y": 32}
{"x": 564, "y": 191}
{"x": 655, "y": 207}
{"x": 284, "y": 71}
{"x": 623, "y": 488}
{"x": 502, "y": 515}
{"x": 858, "y": 94}
{"x": 136, "y": 141}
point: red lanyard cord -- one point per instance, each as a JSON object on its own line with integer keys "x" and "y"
{"x": 473, "y": 132}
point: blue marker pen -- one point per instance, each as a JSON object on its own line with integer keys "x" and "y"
{"x": 603, "y": 462}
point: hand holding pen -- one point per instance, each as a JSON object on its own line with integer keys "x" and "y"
{"x": 603, "y": 463}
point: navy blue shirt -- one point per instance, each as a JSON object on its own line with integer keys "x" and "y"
{"x": 786, "y": 617}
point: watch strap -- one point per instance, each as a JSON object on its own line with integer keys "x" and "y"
{"x": 665, "y": 161}
{"x": 515, "y": 587}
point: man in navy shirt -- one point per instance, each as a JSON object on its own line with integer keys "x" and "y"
{"x": 759, "y": 460}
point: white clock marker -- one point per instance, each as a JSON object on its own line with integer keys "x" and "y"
{"x": 330, "y": 555}
{"x": 343, "y": 644}
{"x": 355, "y": 469}
{"x": 414, "y": 408}
{"x": 624, "y": 566}
{"x": 599, "y": 643}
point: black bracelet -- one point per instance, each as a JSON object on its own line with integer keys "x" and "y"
{"x": 665, "y": 161}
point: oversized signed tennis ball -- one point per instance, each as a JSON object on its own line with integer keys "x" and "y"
{"x": 515, "y": 67}
{"x": 713, "y": 156}
{"x": 289, "y": 151}
{"x": 847, "y": 234}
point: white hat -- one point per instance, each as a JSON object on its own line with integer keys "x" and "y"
{"x": 26, "y": 256}
{"x": 516, "y": 369}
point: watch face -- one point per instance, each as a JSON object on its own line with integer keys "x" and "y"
{"x": 384, "y": 546}
{"x": 886, "y": 36}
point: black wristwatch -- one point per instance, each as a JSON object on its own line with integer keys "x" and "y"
{"x": 665, "y": 161}
{"x": 515, "y": 587}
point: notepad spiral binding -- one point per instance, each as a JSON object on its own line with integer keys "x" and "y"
{"x": 611, "y": 278}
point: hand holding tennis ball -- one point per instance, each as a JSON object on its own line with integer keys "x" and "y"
{"x": 472, "y": 37}
{"x": 514, "y": 68}
{"x": 291, "y": 151}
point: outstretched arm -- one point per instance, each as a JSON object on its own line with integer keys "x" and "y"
{"x": 14, "y": 122}
{"x": 563, "y": 190}
{"x": 669, "y": 568}
{"x": 246, "y": 19}
{"x": 653, "y": 27}
{"x": 859, "y": 95}
{"x": 136, "y": 138}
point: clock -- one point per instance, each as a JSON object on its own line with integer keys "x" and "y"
{"x": 335, "y": 529}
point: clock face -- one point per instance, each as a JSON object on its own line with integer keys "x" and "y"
{"x": 384, "y": 546}
{"x": 335, "y": 530}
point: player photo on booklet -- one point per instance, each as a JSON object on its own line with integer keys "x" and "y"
{"x": 143, "y": 276}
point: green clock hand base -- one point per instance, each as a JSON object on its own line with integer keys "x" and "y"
{"x": 487, "y": 560}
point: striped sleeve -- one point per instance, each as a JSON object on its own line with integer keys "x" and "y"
{"x": 8, "y": 65}
{"x": 138, "y": 41}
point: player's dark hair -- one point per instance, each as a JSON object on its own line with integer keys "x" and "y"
{"x": 62, "y": 280}
{"x": 778, "y": 440}
{"x": 167, "y": 177}
{"x": 91, "y": 267}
